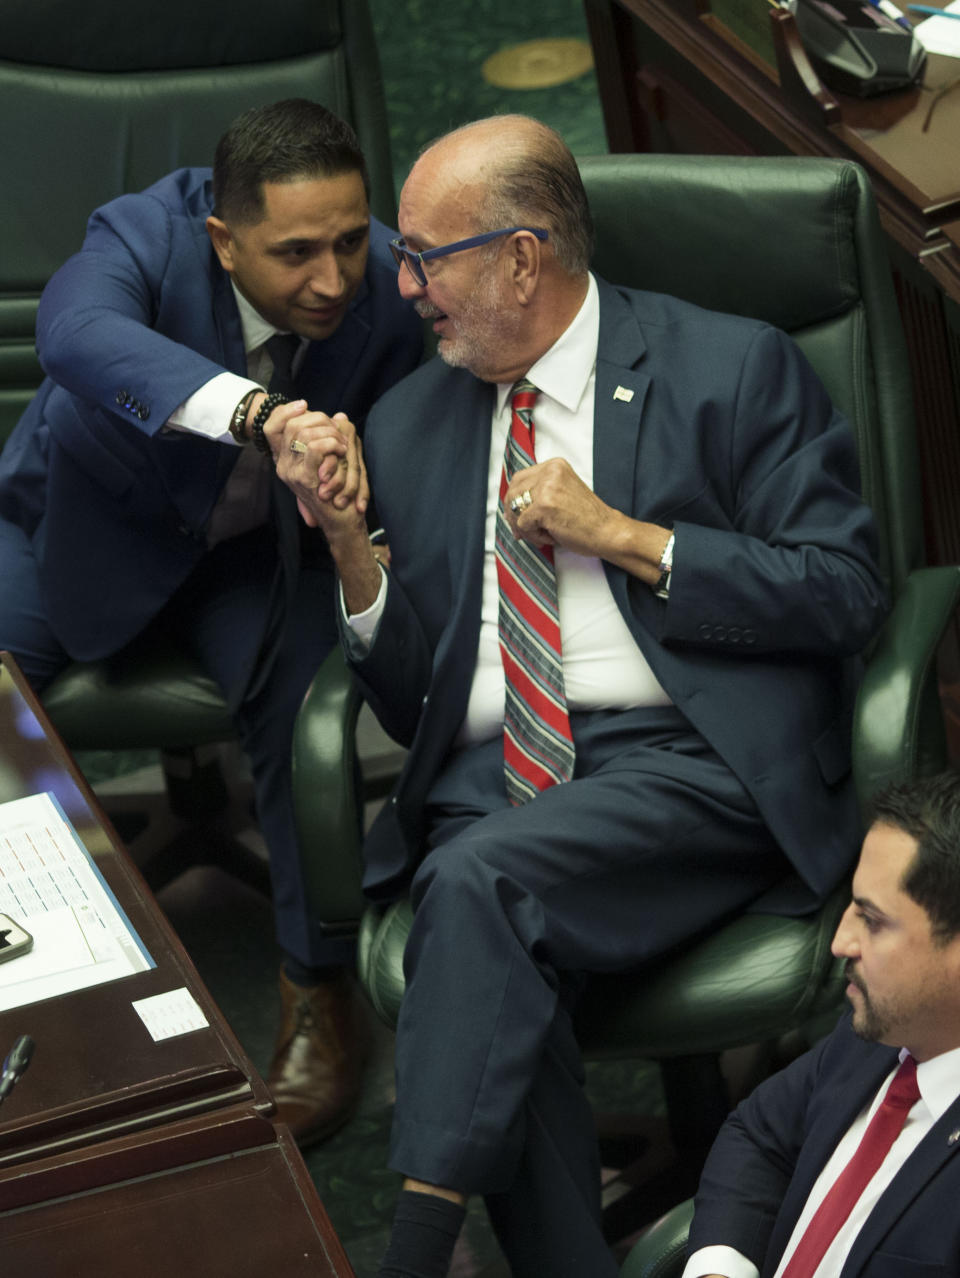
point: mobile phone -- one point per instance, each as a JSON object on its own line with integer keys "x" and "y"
{"x": 14, "y": 939}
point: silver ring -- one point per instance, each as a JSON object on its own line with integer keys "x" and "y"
{"x": 297, "y": 446}
{"x": 516, "y": 505}
{"x": 526, "y": 500}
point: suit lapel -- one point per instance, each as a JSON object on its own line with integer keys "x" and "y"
{"x": 469, "y": 453}
{"x": 619, "y": 399}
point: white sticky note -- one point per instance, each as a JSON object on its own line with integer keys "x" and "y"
{"x": 941, "y": 35}
{"x": 170, "y": 1014}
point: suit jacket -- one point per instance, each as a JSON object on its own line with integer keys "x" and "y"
{"x": 769, "y": 1153}
{"x": 730, "y": 440}
{"x": 127, "y": 329}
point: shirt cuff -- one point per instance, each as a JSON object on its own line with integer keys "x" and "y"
{"x": 363, "y": 626}
{"x": 720, "y": 1260}
{"x": 208, "y": 410}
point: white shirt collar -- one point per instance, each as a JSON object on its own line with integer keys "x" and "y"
{"x": 937, "y": 1079}
{"x": 256, "y": 330}
{"x": 563, "y": 372}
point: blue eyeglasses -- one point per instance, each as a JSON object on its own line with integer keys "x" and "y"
{"x": 414, "y": 261}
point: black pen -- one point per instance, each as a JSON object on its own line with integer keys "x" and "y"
{"x": 18, "y": 1058}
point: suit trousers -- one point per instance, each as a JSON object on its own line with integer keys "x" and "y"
{"x": 653, "y": 841}
{"x": 220, "y": 614}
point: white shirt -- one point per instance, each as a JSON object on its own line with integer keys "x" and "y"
{"x": 602, "y": 666}
{"x": 937, "y": 1080}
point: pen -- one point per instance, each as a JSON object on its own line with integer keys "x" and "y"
{"x": 890, "y": 10}
{"x": 929, "y": 11}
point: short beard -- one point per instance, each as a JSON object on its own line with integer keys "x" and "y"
{"x": 484, "y": 329}
{"x": 866, "y": 1023}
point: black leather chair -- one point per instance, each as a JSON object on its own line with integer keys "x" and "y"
{"x": 101, "y": 100}
{"x": 796, "y": 242}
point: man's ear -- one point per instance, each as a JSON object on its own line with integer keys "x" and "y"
{"x": 222, "y": 241}
{"x": 525, "y": 265}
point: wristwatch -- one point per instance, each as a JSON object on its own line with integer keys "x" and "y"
{"x": 662, "y": 587}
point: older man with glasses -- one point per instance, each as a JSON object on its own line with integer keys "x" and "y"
{"x": 622, "y": 529}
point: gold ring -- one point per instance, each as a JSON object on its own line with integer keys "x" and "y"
{"x": 525, "y": 499}
{"x": 297, "y": 446}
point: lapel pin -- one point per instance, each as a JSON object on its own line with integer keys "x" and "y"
{"x": 953, "y": 1137}
{"x": 622, "y": 393}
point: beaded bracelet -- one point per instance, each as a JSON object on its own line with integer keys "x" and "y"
{"x": 260, "y": 441}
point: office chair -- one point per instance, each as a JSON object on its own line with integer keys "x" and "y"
{"x": 101, "y": 101}
{"x": 796, "y": 242}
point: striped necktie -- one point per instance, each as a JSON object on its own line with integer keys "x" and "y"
{"x": 884, "y": 1128}
{"x": 537, "y": 745}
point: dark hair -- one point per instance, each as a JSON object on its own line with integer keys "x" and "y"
{"x": 928, "y": 809}
{"x": 292, "y": 139}
{"x": 534, "y": 181}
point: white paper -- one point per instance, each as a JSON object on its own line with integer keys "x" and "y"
{"x": 168, "y": 1015}
{"x": 50, "y": 885}
{"x": 941, "y": 35}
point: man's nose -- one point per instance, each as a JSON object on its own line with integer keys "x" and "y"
{"x": 410, "y": 289}
{"x": 326, "y": 278}
{"x": 844, "y": 943}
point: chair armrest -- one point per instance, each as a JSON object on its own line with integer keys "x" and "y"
{"x": 898, "y": 723}
{"x": 661, "y": 1251}
{"x": 326, "y": 796}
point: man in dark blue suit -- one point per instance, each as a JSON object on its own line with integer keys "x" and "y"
{"x": 782, "y": 1150}
{"x": 715, "y": 579}
{"x": 139, "y": 486}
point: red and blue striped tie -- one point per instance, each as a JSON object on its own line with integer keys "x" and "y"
{"x": 538, "y": 748}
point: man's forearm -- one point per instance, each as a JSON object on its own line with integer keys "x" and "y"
{"x": 357, "y": 566}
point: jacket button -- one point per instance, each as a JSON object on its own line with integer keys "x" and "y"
{"x": 734, "y": 634}
{"x": 122, "y": 396}
{"x": 749, "y": 636}
{"x": 704, "y": 631}
{"x": 143, "y": 412}
{"x": 720, "y": 633}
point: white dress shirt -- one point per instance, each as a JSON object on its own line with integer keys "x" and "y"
{"x": 937, "y": 1080}
{"x": 602, "y": 666}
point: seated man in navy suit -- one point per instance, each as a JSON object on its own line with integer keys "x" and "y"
{"x": 799, "y": 1182}
{"x": 139, "y": 488}
{"x": 631, "y": 574}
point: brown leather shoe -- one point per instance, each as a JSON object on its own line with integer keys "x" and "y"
{"x": 322, "y": 1047}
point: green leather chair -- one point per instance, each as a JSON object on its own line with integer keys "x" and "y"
{"x": 796, "y": 242}
{"x": 101, "y": 100}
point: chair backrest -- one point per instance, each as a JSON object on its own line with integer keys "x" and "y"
{"x": 104, "y": 98}
{"x": 795, "y": 242}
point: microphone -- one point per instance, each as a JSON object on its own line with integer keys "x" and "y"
{"x": 14, "y": 1066}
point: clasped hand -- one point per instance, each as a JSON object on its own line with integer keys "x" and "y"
{"x": 320, "y": 460}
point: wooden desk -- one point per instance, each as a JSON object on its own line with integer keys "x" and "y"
{"x": 225, "y": 1193}
{"x": 118, "y": 1154}
{"x": 730, "y": 77}
{"x": 97, "y": 1072}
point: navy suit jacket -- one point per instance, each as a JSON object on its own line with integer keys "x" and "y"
{"x": 770, "y": 1151}
{"x": 128, "y": 328}
{"x": 729, "y": 439}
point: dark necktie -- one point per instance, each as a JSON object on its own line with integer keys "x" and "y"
{"x": 538, "y": 747}
{"x": 884, "y": 1128}
{"x": 282, "y": 349}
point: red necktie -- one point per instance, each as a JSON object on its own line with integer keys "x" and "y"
{"x": 884, "y": 1128}
{"x": 537, "y": 745}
